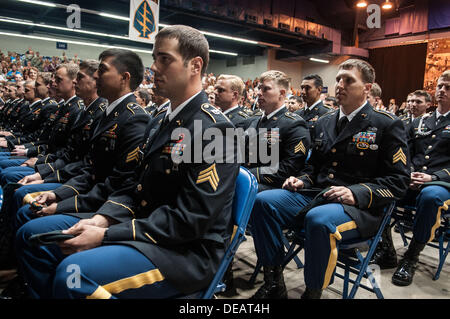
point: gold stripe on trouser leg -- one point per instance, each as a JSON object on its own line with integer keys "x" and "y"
{"x": 333, "y": 250}
{"x": 133, "y": 282}
{"x": 438, "y": 219}
{"x": 29, "y": 198}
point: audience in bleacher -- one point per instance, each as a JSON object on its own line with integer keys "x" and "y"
{"x": 77, "y": 136}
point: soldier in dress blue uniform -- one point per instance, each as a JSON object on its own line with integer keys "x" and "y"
{"x": 67, "y": 114}
{"x": 161, "y": 104}
{"x": 360, "y": 159}
{"x": 228, "y": 91}
{"x": 166, "y": 231}
{"x": 429, "y": 145}
{"x": 311, "y": 87}
{"x": 279, "y": 131}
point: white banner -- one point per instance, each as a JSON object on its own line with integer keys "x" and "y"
{"x": 144, "y": 19}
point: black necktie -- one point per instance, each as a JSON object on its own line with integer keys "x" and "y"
{"x": 341, "y": 124}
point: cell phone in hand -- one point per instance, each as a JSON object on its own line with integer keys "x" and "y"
{"x": 49, "y": 238}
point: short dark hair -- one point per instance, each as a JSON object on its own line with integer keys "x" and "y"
{"x": 424, "y": 94}
{"x": 126, "y": 61}
{"x": 299, "y": 99}
{"x": 367, "y": 71}
{"x": 332, "y": 99}
{"x": 318, "y": 82}
{"x": 191, "y": 43}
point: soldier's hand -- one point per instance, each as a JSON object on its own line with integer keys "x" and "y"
{"x": 340, "y": 194}
{"x": 31, "y": 179}
{"x": 20, "y": 147}
{"x": 47, "y": 211}
{"x": 293, "y": 184}
{"x": 418, "y": 179}
{"x": 3, "y": 143}
{"x": 87, "y": 237}
{"x": 19, "y": 152}
{"x": 47, "y": 198}
{"x": 30, "y": 162}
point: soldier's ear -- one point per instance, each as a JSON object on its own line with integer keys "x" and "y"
{"x": 196, "y": 65}
{"x": 367, "y": 87}
{"x": 126, "y": 76}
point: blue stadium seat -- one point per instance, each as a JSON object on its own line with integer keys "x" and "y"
{"x": 244, "y": 198}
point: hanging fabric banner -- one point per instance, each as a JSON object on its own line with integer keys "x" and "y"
{"x": 144, "y": 19}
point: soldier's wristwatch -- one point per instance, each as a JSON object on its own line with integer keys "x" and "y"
{"x": 434, "y": 178}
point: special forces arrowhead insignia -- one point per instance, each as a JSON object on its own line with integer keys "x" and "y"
{"x": 399, "y": 156}
{"x": 209, "y": 175}
{"x": 144, "y": 20}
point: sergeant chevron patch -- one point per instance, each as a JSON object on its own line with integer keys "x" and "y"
{"x": 399, "y": 156}
{"x": 300, "y": 147}
{"x": 209, "y": 175}
{"x": 133, "y": 155}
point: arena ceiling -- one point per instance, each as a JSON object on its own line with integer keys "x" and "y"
{"x": 28, "y": 17}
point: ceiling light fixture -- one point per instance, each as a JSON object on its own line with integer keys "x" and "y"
{"x": 73, "y": 42}
{"x": 387, "y": 5}
{"x": 319, "y": 60}
{"x": 361, "y": 4}
{"x": 25, "y": 22}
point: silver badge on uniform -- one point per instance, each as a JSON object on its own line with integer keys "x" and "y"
{"x": 373, "y": 147}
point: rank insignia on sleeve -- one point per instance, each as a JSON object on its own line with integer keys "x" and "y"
{"x": 133, "y": 155}
{"x": 209, "y": 175}
{"x": 300, "y": 147}
{"x": 399, "y": 156}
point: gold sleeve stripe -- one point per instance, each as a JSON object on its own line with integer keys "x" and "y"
{"x": 150, "y": 237}
{"x": 53, "y": 170}
{"x": 446, "y": 171}
{"x": 257, "y": 175}
{"x": 370, "y": 190}
{"x": 76, "y": 204}
{"x": 72, "y": 188}
{"x": 134, "y": 228}
{"x": 57, "y": 175}
{"x": 116, "y": 203}
{"x": 267, "y": 179}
